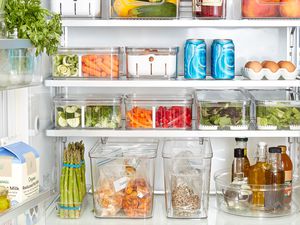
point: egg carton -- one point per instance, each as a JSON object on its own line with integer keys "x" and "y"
{"x": 269, "y": 75}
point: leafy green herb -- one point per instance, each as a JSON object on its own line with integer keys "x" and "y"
{"x": 33, "y": 22}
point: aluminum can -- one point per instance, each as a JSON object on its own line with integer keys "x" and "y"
{"x": 195, "y": 59}
{"x": 223, "y": 59}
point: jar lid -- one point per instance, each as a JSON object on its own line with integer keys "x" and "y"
{"x": 3, "y": 191}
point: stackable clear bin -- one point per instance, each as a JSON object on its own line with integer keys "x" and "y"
{"x": 87, "y": 63}
{"x": 223, "y": 109}
{"x": 19, "y": 64}
{"x": 187, "y": 167}
{"x": 158, "y": 112}
{"x": 155, "y": 63}
{"x": 237, "y": 199}
{"x": 90, "y": 112}
{"x": 144, "y": 9}
{"x": 270, "y": 9}
{"x": 276, "y": 109}
{"x": 77, "y": 8}
{"x": 123, "y": 180}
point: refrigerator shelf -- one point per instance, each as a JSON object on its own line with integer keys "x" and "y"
{"x": 169, "y": 133}
{"x": 13, "y": 87}
{"x": 179, "y": 83}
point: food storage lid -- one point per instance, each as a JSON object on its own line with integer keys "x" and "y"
{"x": 216, "y": 96}
{"x": 274, "y": 96}
{"x": 98, "y": 50}
{"x": 183, "y": 99}
{"x": 152, "y": 50}
{"x": 86, "y": 100}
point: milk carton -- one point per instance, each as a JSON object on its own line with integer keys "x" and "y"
{"x": 19, "y": 171}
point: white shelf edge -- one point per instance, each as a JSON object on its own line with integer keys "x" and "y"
{"x": 181, "y": 23}
{"x": 15, "y": 211}
{"x": 167, "y": 133}
{"x": 171, "y": 83}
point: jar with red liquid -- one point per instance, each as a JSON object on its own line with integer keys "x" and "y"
{"x": 209, "y": 9}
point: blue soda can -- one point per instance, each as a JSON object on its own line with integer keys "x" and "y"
{"x": 222, "y": 59}
{"x": 195, "y": 59}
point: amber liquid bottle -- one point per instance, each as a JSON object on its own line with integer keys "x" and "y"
{"x": 258, "y": 174}
{"x": 287, "y": 166}
{"x": 242, "y": 143}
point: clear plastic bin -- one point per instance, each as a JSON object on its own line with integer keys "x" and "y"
{"x": 123, "y": 180}
{"x": 158, "y": 112}
{"x": 87, "y": 63}
{"x": 223, "y": 109}
{"x": 19, "y": 64}
{"x": 147, "y": 63}
{"x": 144, "y": 9}
{"x": 78, "y": 8}
{"x": 276, "y": 109}
{"x": 187, "y": 166}
{"x": 270, "y": 9}
{"x": 2, "y": 5}
{"x": 237, "y": 199}
{"x": 91, "y": 112}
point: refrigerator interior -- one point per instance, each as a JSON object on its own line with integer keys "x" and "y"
{"x": 26, "y": 114}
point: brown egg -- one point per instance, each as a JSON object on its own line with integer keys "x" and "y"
{"x": 254, "y": 65}
{"x": 273, "y": 66}
{"x": 264, "y": 62}
{"x": 287, "y": 65}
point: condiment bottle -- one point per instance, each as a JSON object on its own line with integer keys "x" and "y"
{"x": 242, "y": 143}
{"x": 238, "y": 165}
{"x": 209, "y": 8}
{"x": 4, "y": 201}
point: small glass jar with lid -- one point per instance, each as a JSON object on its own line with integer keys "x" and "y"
{"x": 4, "y": 201}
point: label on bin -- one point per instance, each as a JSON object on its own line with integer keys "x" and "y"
{"x": 120, "y": 184}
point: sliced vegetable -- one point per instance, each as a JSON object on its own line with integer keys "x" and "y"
{"x": 139, "y": 118}
{"x": 68, "y": 116}
{"x": 65, "y": 65}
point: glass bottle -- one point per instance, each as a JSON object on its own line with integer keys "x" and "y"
{"x": 257, "y": 176}
{"x": 242, "y": 143}
{"x": 287, "y": 166}
{"x": 238, "y": 165}
{"x": 4, "y": 201}
{"x": 214, "y": 9}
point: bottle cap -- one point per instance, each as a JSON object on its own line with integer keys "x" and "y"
{"x": 275, "y": 150}
{"x": 244, "y": 139}
{"x": 283, "y": 148}
{"x": 239, "y": 153}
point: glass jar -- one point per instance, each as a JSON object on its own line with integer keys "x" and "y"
{"x": 210, "y": 9}
{"x": 4, "y": 201}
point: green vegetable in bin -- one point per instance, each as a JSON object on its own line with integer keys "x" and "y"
{"x": 102, "y": 117}
{"x": 280, "y": 116}
{"x": 68, "y": 116}
{"x": 166, "y": 9}
{"x": 66, "y": 66}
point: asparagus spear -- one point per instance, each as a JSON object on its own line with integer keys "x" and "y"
{"x": 62, "y": 193}
{"x": 71, "y": 186}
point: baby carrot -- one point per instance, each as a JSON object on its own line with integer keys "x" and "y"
{"x": 103, "y": 67}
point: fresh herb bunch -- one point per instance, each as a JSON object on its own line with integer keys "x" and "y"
{"x": 33, "y": 22}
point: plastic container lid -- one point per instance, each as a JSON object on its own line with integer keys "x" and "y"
{"x": 272, "y": 95}
{"x": 98, "y": 50}
{"x": 151, "y": 50}
{"x": 101, "y": 99}
{"x": 188, "y": 99}
{"x": 221, "y": 96}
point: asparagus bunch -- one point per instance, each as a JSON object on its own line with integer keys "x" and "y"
{"x": 72, "y": 182}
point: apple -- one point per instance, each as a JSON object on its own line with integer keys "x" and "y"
{"x": 260, "y": 8}
{"x": 290, "y": 8}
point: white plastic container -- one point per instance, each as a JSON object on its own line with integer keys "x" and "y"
{"x": 77, "y": 8}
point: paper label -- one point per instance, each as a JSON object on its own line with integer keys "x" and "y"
{"x": 288, "y": 190}
{"x": 30, "y": 163}
{"x": 5, "y": 167}
{"x": 120, "y": 184}
{"x": 212, "y": 2}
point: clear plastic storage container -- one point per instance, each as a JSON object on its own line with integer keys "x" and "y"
{"x": 123, "y": 180}
{"x": 151, "y": 62}
{"x": 87, "y": 63}
{"x": 270, "y": 9}
{"x": 144, "y": 9}
{"x": 19, "y": 64}
{"x": 236, "y": 198}
{"x": 223, "y": 109}
{"x": 2, "y": 5}
{"x": 187, "y": 166}
{"x": 158, "y": 112}
{"x": 209, "y": 9}
{"x": 77, "y": 8}
{"x": 276, "y": 109}
{"x": 91, "y": 112}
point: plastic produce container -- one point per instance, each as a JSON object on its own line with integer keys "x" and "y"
{"x": 270, "y": 9}
{"x": 19, "y": 64}
{"x": 158, "y": 112}
{"x": 237, "y": 199}
{"x": 157, "y": 63}
{"x": 223, "y": 110}
{"x": 123, "y": 180}
{"x": 187, "y": 166}
{"x": 144, "y": 9}
{"x": 276, "y": 109}
{"x": 77, "y": 8}
{"x": 91, "y": 112}
{"x": 2, "y": 5}
{"x": 87, "y": 63}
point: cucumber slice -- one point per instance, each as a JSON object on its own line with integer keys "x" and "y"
{"x": 62, "y": 122}
{"x": 77, "y": 114}
{"x": 75, "y": 122}
{"x": 71, "y": 109}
